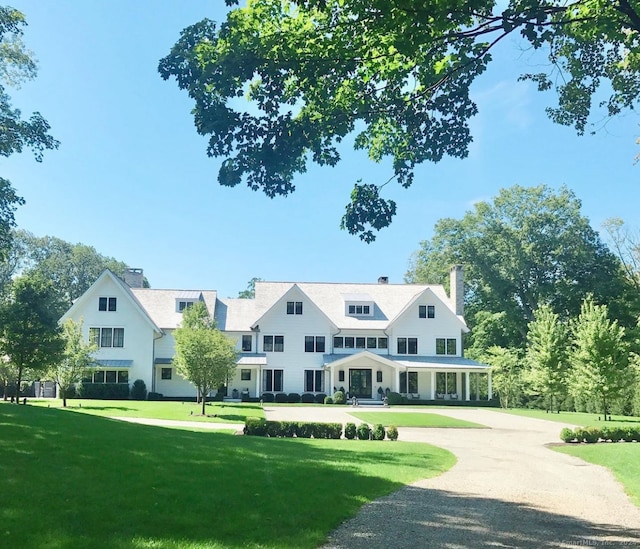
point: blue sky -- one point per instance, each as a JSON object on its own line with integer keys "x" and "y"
{"x": 132, "y": 178}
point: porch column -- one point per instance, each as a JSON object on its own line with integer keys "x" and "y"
{"x": 257, "y": 383}
{"x": 432, "y": 395}
{"x": 490, "y": 390}
{"x": 467, "y": 385}
{"x": 459, "y": 385}
{"x": 398, "y": 388}
{"x": 332, "y": 382}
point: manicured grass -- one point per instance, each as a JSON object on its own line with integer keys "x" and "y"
{"x": 217, "y": 412}
{"x": 575, "y": 418}
{"x": 76, "y": 480}
{"x": 622, "y": 458}
{"x": 413, "y": 419}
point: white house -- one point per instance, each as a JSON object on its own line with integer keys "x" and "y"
{"x": 292, "y": 338}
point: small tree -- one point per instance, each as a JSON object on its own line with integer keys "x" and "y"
{"x": 8, "y": 376}
{"x": 30, "y": 336}
{"x": 204, "y": 355}
{"x": 77, "y": 357}
{"x": 547, "y": 356}
{"x": 506, "y": 373}
{"x": 599, "y": 357}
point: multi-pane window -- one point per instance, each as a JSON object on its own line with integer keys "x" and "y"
{"x": 314, "y": 344}
{"x": 246, "y": 343}
{"x": 349, "y": 342}
{"x": 106, "y": 376}
{"x": 359, "y": 309}
{"x": 165, "y": 373}
{"x": 294, "y": 307}
{"x": 426, "y": 311}
{"x": 413, "y": 382}
{"x": 383, "y": 343}
{"x": 446, "y": 346}
{"x": 273, "y": 344}
{"x": 313, "y": 381}
{"x": 107, "y": 337}
{"x": 182, "y": 305}
{"x": 107, "y": 304}
{"x": 338, "y": 342}
{"x": 245, "y": 375}
{"x": 272, "y": 380}
{"x": 407, "y": 345}
{"x": 360, "y": 342}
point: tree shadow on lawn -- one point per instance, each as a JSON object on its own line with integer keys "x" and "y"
{"x": 96, "y": 482}
{"x": 435, "y": 518}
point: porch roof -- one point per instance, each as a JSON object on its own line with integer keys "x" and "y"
{"x": 254, "y": 359}
{"x": 413, "y": 362}
{"x": 114, "y": 363}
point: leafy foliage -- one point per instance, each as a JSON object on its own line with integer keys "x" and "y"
{"x": 507, "y": 374}
{"x": 204, "y": 355}
{"x": 528, "y": 247}
{"x": 16, "y": 134}
{"x": 397, "y": 74}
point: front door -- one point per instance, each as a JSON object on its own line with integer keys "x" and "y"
{"x": 360, "y": 383}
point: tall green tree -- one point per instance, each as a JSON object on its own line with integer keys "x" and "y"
{"x": 30, "y": 336}
{"x": 204, "y": 355}
{"x": 8, "y": 375}
{"x": 546, "y": 357}
{"x": 250, "y": 291}
{"x": 599, "y": 358}
{"x": 16, "y": 133}
{"x": 506, "y": 374}
{"x": 527, "y": 247}
{"x": 76, "y": 359}
{"x": 397, "y": 74}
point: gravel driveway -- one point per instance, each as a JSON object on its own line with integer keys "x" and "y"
{"x": 506, "y": 490}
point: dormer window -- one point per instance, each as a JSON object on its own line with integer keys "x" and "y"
{"x": 358, "y": 305}
{"x": 182, "y": 305}
{"x": 359, "y": 310}
{"x": 107, "y": 304}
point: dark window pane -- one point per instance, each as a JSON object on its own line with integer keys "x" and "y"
{"x": 246, "y": 343}
{"x": 309, "y": 342}
{"x": 110, "y": 376}
{"x": 319, "y": 385}
{"x": 112, "y": 303}
{"x": 402, "y": 345}
{"x": 413, "y": 346}
{"x": 245, "y": 375}
{"x": 165, "y": 373}
{"x": 371, "y": 343}
{"x": 451, "y": 346}
{"x": 365, "y": 309}
{"x": 105, "y": 339}
{"x": 102, "y": 304}
{"x": 379, "y": 376}
{"x": 267, "y": 380}
{"x": 118, "y": 337}
{"x": 268, "y": 345}
{"x": 123, "y": 377}
{"x": 413, "y": 382}
{"x": 383, "y": 343}
{"x": 278, "y": 344}
{"x": 340, "y": 375}
{"x": 349, "y": 342}
{"x": 422, "y": 311}
{"x": 440, "y": 346}
{"x": 277, "y": 380}
{"x": 320, "y": 344}
{"x": 352, "y": 309}
{"x": 98, "y": 377}
{"x": 308, "y": 381}
{"x": 338, "y": 342}
{"x": 290, "y": 307}
{"x": 298, "y": 307}
{"x": 360, "y": 342}
{"x": 431, "y": 311}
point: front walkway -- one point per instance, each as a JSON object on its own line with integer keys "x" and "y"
{"x": 506, "y": 490}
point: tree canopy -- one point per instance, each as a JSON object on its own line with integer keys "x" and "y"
{"x": 16, "y": 133}
{"x": 525, "y": 248}
{"x": 397, "y": 74}
{"x": 204, "y": 355}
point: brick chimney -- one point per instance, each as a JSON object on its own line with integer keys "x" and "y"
{"x": 456, "y": 290}
{"x": 134, "y": 277}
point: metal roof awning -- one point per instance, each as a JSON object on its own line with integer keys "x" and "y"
{"x": 415, "y": 362}
{"x": 111, "y": 363}
{"x": 257, "y": 359}
{"x": 163, "y": 361}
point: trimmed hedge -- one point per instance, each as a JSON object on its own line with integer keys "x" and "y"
{"x": 591, "y": 435}
{"x": 154, "y": 396}
{"x": 293, "y": 398}
{"x": 288, "y": 429}
{"x": 268, "y": 397}
{"x": 104, "y": 391}
{"x": 282, "y": 398}
{"x": 319, "y": 398}
{"x": 307, "y": 398}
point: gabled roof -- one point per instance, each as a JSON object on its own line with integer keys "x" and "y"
{"x": 160, "y": 305}
{"x": 127, "y": 293}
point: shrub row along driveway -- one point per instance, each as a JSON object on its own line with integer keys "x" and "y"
{"x": 506, "y": 490}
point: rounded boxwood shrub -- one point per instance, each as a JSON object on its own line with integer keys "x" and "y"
{"x": 394, "y": 398}
{"x": 339, "y": 397}
{"x": 139, "y": 390}
{"x": 392, "y": 432}
{"x": 293, "y": 398}
{"x": 319, "y": 398}
{"x": 334, "y": 430}
{"x": 328, "y": 400}
{"x": 628, "y": 434}
{"x": 378, "y": 432}
{"x": 255, "y": 426}
{"x": 363, "y": 431}
{"x": 350, "y": 431}
{"x": 267, "y": 397}
{"x": 281, "y": 397}
{"x": 591, "y": 434}
{"x": 567, "y": 435}
{"x": 307, "y": 398}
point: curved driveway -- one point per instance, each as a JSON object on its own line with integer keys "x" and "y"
{"x": 506, "y": 490}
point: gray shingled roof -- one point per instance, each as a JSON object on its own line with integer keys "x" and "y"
{"x": 161, "y": 304}
{"x": 390, "y": 300}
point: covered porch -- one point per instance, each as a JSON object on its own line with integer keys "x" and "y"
{"x": 367, "y": 375}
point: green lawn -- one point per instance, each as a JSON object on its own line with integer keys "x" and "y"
{"x": 413, "y": 419}
{"x": 623, "y": 458}
{"x": 574, "y": 418}
{"x": 76, "y": 480}
{"x": 185, "y": 411}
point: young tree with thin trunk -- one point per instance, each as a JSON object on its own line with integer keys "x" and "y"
{"x": 599, "y": 357}
{"x": 506, "y": 374}
{"x": 204, "y": 355}
{"x": 77, "y": 358}
{"x": 546, "y": 357}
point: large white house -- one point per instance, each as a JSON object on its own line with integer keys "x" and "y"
{"x": 293, "y": 337}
